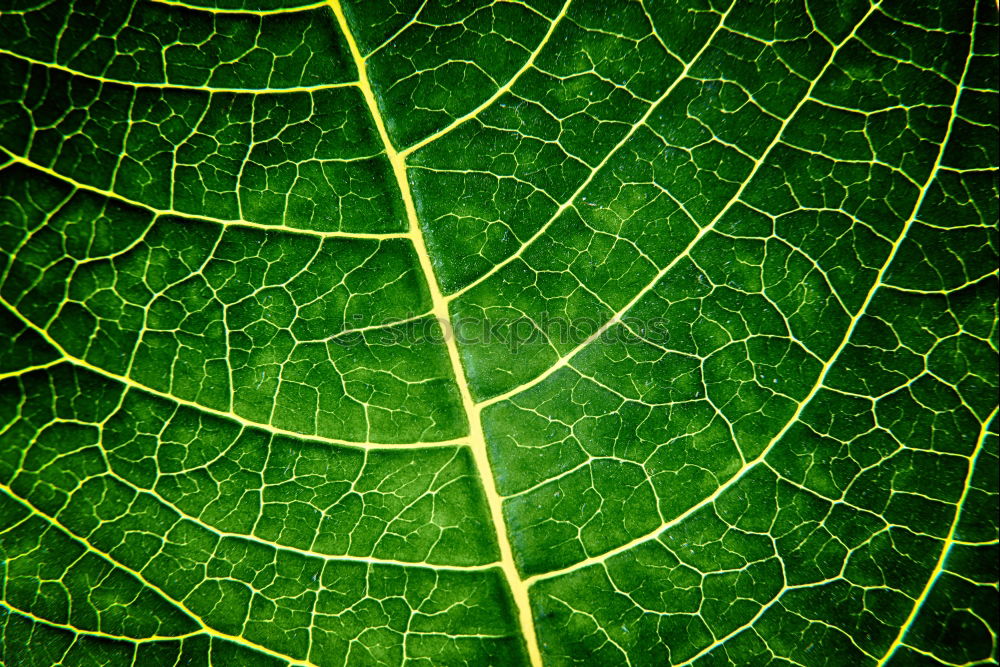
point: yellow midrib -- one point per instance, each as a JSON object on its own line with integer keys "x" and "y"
{"x": 477, "y": 442}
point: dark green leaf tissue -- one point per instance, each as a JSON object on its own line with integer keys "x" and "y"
{"x": 493, "y": 332}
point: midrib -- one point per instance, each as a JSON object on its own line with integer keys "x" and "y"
{"x": 477, "y": 441}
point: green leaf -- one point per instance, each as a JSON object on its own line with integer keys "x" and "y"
{"x": 498, "y": 333}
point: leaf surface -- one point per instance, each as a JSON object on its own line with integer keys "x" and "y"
{"x": 542, "y": 332}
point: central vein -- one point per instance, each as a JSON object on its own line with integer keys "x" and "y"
{"x": 477, "y": 442}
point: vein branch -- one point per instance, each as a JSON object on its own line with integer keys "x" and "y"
{"x": 67, "y": 357}
{"x": 56, "y": 524}
{"x": 824, "y": 371}
{"x": 502, "y": 90}
{"x": 223, "y": 222}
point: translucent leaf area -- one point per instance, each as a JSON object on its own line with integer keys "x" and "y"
{"x": 495, "y": 332}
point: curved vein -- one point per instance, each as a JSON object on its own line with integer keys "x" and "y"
{"x": 274, "y": 430}
{"x": 192, "y": 216}
{"x": 817, "y": 386}
{"x": 734, "y": 199}
{"x": 496, "y": 95}
{"x": 55, "y": 523}
{"x": 600, "y": 165}
{"x": 175, "y": 86}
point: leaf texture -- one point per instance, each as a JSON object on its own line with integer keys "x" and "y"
{"x": 498, "y": 333}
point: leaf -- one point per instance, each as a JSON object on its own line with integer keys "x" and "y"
{"x": 498, "y": 333}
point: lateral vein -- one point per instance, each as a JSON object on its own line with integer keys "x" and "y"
{"x": 224, "y": 222}
{"x": 55, "y": 523}
{"x": 499, "y": 92}
{"x": 821, "y": 378}
{"x": 132, "y": 384}
{"x": 176, "y": 86}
